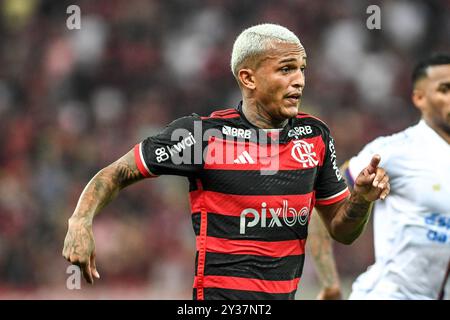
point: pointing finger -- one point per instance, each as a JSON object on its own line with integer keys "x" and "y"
{"x": 372, "y": 168}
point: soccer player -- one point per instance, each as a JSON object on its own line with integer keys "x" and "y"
{"x": 255, "y": 172}
{"x": 412, "y": 227}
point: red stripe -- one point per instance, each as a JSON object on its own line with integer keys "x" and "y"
{"x": 221, "y": 155}
{"x": 214, "y": 202}
{"x": 334, "y": 199}
{"x": 302, "y": 115}
{"x": 253, "y": 247}
{"x": 239, "y": 283}
{"x": 223, "y": 112}
{"x": 137, "y": 158}
{"x": 230, "y": 116}
{"x": 201, "y": 247}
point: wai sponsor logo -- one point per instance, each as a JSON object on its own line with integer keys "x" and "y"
{"x": 164, "y": 153}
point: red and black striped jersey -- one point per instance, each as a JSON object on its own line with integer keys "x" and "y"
{"x": 251, "y": 195}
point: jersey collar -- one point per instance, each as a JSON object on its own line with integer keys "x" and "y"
{"x": 283, "y": 133}
{"x": 430, "y": 133}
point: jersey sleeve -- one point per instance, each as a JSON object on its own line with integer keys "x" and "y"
{"x": 176, "y": 150}
{"x": 357, "y": 163}
{"x": 330, "y": 185}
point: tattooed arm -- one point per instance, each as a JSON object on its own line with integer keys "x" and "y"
{"x": 79, "y": 246}
{"x": 346, "y": 219}
{"x": 319, "y": 245}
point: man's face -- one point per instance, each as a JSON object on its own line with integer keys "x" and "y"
{"x": 279, "y": 80}
{"x": 432, "y": 97}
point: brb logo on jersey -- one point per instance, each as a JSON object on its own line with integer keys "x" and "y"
{"x": 300, "y": 131}
{"x": 278, "y": 215}
{"x": 237, "y": 132}
{"x": 302, "y": 151}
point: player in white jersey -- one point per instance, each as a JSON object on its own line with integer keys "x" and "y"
{"x": 412, "y": 225}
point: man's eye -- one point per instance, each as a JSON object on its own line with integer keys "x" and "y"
{"x": 285, "y": 69}
{"x": 444, "y": 88}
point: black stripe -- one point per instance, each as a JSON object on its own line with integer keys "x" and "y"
{"x": 252, "y": 182}
{"x": 222, "y": 226}
{"x": 228, "y": 294}
{"x": 254, "y": 267}
{"x": 193, "y": 186}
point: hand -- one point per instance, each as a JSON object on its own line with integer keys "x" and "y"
{"x": 330, "y": 293}
{"x": 373, "y": 182}
{"x": 79, "y": 248}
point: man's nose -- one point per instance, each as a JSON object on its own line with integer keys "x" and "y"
{"x": 299, "y": 80}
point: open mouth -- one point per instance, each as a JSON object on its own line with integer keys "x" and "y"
{"x": 294, "y": 97}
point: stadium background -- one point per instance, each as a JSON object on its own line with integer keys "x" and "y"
{"x": 72, "y": 101}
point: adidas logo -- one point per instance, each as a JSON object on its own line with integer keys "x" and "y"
{"x": 244, "y": 158}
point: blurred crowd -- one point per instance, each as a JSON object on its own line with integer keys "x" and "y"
{"x": 73, "y": 101}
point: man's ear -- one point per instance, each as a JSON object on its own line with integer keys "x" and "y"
{"x": 247, "y": 78}
{"x": 418, "y": 98}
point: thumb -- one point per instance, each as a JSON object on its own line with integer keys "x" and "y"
{"x": 372, "y": 168}
{"x": 93, "y": 266}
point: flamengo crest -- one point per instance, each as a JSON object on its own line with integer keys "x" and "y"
{"x": 302, "y": 151}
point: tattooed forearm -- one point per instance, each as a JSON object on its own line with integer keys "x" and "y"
{"x": 79, "y": 244}
{"x": 346, "y": 219}
{"x": 105, "y": 185}
{"x": 357, "y": 208}
{"x": 354, "y": 215}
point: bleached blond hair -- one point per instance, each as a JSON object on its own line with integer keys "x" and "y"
{"x": 258, "y": 39}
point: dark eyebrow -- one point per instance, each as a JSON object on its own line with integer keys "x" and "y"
{"x": 288, "y": 60}
{"x": 291, "y": 60}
